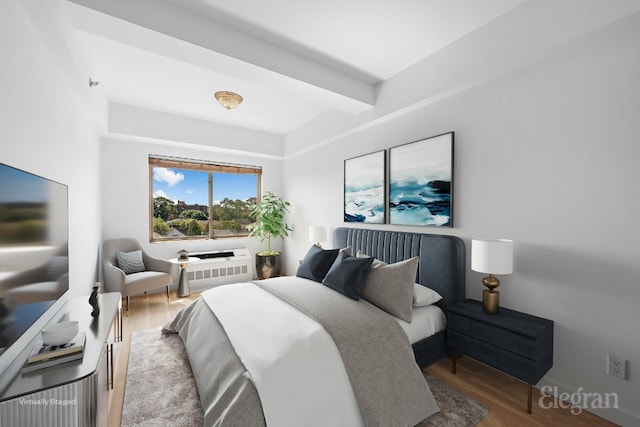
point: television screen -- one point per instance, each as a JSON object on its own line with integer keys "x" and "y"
{"x": 34, "y": 263}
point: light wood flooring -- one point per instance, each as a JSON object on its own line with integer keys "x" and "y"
{"x": 503, "y": 395}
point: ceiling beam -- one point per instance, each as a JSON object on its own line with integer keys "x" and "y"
{"x": 213, "y": 43}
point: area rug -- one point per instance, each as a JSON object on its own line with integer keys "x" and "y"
{"x": 161, "y": 390}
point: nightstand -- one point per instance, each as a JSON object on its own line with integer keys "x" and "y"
{"x": 515, "y": 343}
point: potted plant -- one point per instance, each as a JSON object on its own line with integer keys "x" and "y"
{"x": 269, "y": 223}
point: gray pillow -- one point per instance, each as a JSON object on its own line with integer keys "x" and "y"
{"x": 130, "y": 262}
{"x": 390, "y": 287}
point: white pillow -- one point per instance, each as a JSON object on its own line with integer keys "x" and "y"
{"x": 423, "y": 296}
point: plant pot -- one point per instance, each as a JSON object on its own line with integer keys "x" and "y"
{"x": 268, "y": 266}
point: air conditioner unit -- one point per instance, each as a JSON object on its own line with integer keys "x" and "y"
{"x": 219, "y": 267}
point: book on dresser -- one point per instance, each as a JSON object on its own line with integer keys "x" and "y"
{"x": 48, "y": 363}
{"x": 45, "y": 356}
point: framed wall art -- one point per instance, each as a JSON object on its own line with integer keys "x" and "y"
{"x": 364, "y": 188}
{"x": 421, "y": 182}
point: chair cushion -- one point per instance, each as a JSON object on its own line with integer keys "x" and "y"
{"x": 145, "y": 280}
{"x": 130, "y": 262}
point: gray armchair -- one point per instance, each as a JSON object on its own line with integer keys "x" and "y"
{"x": 157, "y": 274}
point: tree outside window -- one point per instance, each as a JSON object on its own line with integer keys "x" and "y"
{"x": 199, "y": 200}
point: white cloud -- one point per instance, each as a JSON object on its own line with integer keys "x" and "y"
{"x": 167, "y": 175}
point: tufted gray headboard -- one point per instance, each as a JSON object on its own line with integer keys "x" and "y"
{"x": 442, "y": 258}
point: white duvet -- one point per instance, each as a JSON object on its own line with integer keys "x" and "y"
{"x": 289, "y": 343}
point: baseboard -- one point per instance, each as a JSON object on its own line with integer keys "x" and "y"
{"x": 615, "y": 415}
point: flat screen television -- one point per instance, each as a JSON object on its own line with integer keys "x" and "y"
{"x": 34, "y": 258}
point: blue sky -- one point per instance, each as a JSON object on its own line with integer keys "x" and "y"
{"x": 20, "y": 186}
{"x": 191, "y": 186}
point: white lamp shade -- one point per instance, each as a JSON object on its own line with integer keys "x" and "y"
{"x": 492, "y": 256}
{"x": 317, "y": 233}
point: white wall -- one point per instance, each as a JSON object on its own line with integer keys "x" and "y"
{"x": 547, "y": 156}
{"x": 125, "y": 192}
{"x": 45, "y": 130}
{"x": 160, "y": 126}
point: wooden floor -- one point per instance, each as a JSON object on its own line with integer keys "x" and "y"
{"x": 503, "y": 395}
{"x": 506, "y": 397}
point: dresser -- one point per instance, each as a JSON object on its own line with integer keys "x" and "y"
{"x": 77, "y": 393}
{"x": 515, "y": 343}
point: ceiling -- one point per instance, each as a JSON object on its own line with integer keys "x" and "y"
{"x": 291, "y": 60}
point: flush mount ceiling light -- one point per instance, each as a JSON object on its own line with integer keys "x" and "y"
{"x": 228, "y": 100}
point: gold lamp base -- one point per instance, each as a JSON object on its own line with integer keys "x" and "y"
{"x": 491, "y": 297}
{"x": 490, "y": 301}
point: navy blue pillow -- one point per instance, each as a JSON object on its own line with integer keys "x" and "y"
{"x": 316, "y": 263}
{"x": 348, "y": 274}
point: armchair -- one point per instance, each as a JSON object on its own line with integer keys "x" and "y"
{"x": 157, "y": 273}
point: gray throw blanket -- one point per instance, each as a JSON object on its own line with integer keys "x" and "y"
{"x": 386, "y": 380}
{"x": 377, "y": 355}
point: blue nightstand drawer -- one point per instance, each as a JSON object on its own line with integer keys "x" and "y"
{"x": 479, "y": 350}
{"x": 526, "y": 346}
{"x": 516, "y": 343}
{"x": 525, "y": 369}
{"x": 459, "y": 323}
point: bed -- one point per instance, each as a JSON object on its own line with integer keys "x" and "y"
{"x": 344, "y": 361}
{"x": 441, "y": 267}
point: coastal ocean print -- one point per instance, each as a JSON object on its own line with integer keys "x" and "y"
{"x": 364, "y": 190}
{"x": 420, "y": 178}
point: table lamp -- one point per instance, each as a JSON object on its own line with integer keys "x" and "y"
{"x": 183, "y": 255}
{"x": 492, "y": 257}
{"x": 317, "y": 234}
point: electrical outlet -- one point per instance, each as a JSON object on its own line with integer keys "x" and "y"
{"x": 616, "y": 367}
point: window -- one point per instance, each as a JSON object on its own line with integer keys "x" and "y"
{"x": 193, "y": 199}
